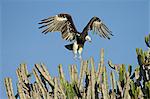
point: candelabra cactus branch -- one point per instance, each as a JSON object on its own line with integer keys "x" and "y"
{"x": 90, "y": 83}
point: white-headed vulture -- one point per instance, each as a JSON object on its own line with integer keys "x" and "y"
{"x": 63, "y": 23}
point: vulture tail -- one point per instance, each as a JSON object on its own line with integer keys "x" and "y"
{"x": 69, "y": 47}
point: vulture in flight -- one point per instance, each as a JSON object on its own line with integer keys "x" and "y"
{"x": 63, "y": 23}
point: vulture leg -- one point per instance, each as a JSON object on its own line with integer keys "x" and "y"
{"x": 75, "y": 48}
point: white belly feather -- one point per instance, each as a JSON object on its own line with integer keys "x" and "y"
{"x": 75, "y": 46}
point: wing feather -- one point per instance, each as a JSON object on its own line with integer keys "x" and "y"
{"x": 98, "y": 27}
{"x": 60, "y": 23}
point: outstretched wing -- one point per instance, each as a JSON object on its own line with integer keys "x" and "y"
{"x": 98, "y": 27}
{"x": 61, "y": 23}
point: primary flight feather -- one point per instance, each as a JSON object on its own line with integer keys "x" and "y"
{"x": 63, "y": 23}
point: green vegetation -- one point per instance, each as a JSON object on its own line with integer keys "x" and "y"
{"x": 89, "y": 83}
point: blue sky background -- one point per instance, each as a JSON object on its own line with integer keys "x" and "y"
{"x": 22, "y": 42}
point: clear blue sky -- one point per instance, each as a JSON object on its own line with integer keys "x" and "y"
{"x": 22, "y": 42}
